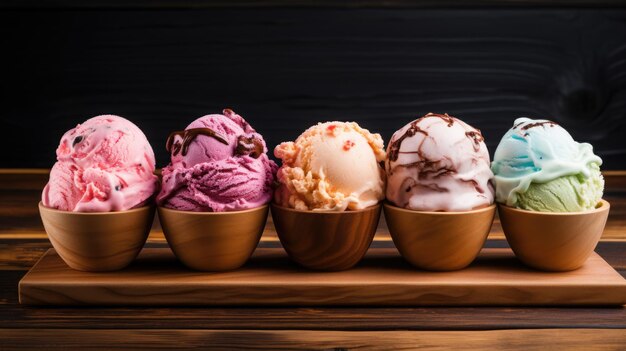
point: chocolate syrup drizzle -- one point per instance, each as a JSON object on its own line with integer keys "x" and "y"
{"x": 250, "y": 146}
{"x": 477, "y": 137}
{"x": 77, "y": 140}
{"x": 517, "y": 125}
{"x": 394, "y": 148}
{"x": 537, "y": 124}
{"x": 188, "y": 136}
{"x": 447, "y": 118}
{"x": 429, "y": 168}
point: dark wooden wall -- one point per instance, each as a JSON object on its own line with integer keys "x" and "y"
{"x": 286, "y": 68}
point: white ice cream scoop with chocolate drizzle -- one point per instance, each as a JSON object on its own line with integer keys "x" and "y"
{"x": 438, "y": 163}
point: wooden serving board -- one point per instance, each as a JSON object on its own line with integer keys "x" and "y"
{"x": 269, "y": 278}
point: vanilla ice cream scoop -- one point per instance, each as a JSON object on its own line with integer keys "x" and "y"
{"x": 438, "y": 163}
{"x": 332, "y": 166}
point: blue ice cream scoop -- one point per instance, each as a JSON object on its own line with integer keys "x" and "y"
{"x": 532, "y": 154}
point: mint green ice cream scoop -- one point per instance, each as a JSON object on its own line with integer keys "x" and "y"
{"x": 539, "y": 167}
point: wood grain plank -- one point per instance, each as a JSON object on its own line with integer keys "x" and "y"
{"x": 22, "y": 254}
{"x": 382, "y": 278}
{"x": 313, "y": 318}
{"x": 588, "y": 339}
{"x": 13, "y": 315}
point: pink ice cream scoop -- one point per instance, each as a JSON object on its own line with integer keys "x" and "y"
{"x": 104, "y": 164}
{"x": 219, "y": 163}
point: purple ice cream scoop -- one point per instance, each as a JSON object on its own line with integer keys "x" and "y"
{"x": 219, "y": 163}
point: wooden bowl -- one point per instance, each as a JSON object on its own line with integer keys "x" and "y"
{"x": 213, "y": 241}
{"x": 439, "y": 241}
{"x": 97, "y": 241}
{"x": 553, "y": 241}
{"x": 326, "y": 240}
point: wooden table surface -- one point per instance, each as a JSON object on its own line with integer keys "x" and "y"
{"x": 23, "y": 241}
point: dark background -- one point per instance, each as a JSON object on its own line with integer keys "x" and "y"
{"x": 285, "y": 68}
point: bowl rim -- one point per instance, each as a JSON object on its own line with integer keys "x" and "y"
{"x": 206, "y": 213}
{"x": 604, "y": 206}
{"x": 326, "y": 212}
{"x": 132, "y": 210}
{"x": 491, "y": 207}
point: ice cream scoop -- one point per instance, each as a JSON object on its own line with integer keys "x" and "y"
{"x": 332, "y": 166}
{"x": 538, "y": 166}
{"x": 326, "y": 207}
{"x": 439, "y": 189}
{"x": 218, "y": 163}
{"x": 96, "y": 208}
{"x": 104, "y": 164}
{"x": 438, "y": 163}
{"x": 550, "y": 192}
{"x": 213, "y": 202}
